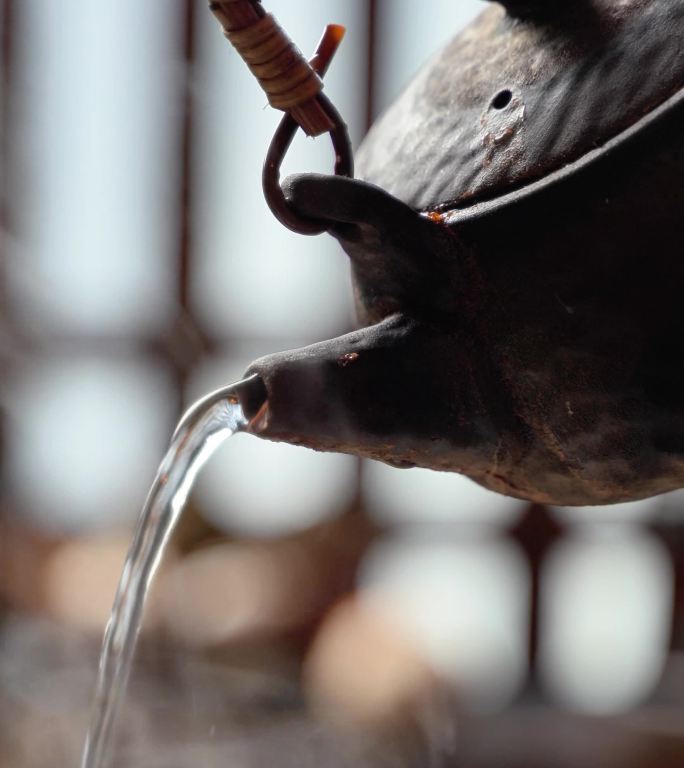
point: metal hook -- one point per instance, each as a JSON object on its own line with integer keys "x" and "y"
{"x": 339, "y": 135}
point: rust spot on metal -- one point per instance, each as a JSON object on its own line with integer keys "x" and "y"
{"x": 344, "y": 360}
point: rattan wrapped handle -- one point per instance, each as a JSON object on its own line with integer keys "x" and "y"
{"x": 288, "y": 79}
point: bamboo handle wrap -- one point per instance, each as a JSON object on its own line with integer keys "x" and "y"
{"x": 287, "y": 78}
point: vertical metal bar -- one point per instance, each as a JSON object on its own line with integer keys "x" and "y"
{"x": 6, "y": 51}
{"x": 671, "y": 534}
{"x": 7, "y": 16}
{"x": 185, "y": 250}
{"x": 184, "y": 341}
{"x": 371, "y": 66}
{"x": 6, "y": 59}
{"x": 536, "y": 533}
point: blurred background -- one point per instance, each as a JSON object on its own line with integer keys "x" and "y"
{"x": 418, "y": 618}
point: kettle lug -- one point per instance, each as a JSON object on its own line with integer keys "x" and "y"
{"x": 401, "y": 259}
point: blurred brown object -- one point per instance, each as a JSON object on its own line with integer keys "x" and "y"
{"x": 72, "y": 580}
{"x": 24, "y": 551}
{"x": 364, "y": 669}
{"x": 230, "y": 592}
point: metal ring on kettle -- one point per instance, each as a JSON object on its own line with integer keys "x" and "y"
{"x": 339, "y": 135}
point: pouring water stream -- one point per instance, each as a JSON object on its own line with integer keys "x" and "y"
{"x": 205, "y": 426}
{"x": 216, "y": 417}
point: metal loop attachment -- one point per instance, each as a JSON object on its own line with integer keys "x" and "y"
{"x": 339, "y": 135}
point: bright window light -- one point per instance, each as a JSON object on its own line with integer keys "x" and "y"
{"x": 607, "y": 604}
{"x": 465, "y": 603}
{"x": 96, "y": 175}
{"x": 86, "y": 436}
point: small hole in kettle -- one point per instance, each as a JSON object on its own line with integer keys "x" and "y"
{"x": 502, "y": 99}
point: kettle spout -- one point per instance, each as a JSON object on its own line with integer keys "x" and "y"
{"x": 387, "y": 392}
{"x": 404, "y": 389}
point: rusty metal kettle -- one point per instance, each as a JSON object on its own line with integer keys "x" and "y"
{"x": 516, "y": 237}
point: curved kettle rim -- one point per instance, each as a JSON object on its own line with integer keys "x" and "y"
{"x": 456, "y": 216}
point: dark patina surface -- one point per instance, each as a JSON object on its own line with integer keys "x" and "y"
{"x": 518, "y": 95}
{"x": 529, "y": 331}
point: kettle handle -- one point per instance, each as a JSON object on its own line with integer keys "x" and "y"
{"x": 339, "y": 135}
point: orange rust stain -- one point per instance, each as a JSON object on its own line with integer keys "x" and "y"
{"x": 345, "y": 360}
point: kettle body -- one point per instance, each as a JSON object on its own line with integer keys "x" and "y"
{"x": 516, "y": 240}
